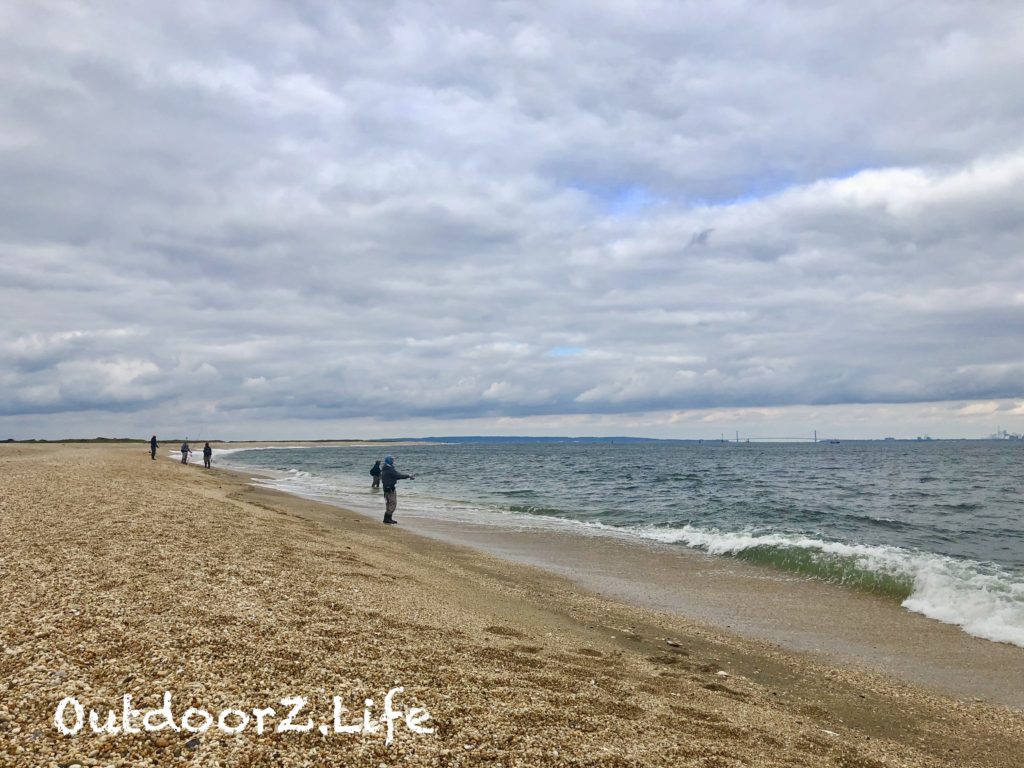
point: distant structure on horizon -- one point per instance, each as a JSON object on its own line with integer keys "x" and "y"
{"x": 1002, "y": 434}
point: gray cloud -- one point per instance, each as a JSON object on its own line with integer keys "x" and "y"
{"x": 295, "y": 216}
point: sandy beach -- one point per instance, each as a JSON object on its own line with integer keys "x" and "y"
{"x": 123, "y": 576}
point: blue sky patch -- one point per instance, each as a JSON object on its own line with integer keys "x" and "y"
{"x": 565, "y": 351}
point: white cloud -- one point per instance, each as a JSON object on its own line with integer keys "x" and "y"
{"x": 391, "y": 214}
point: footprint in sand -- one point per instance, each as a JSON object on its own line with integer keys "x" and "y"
{"x": 504, "y": 631}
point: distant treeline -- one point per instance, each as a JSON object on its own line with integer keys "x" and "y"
{"x": 499, "y": 439}
{"x": 456, "y": 439}
{"x": 82, "y": 440}
{"x": 526, "y": 439}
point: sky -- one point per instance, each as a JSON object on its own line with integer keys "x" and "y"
{"x": 287, "y": 220}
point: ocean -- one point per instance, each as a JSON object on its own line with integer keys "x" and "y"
{"x": 935, "y": 525}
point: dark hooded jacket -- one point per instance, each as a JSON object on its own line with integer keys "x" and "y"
{"x": 389, "y": 477}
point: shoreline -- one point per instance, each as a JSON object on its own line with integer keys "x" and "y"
{"x": 841, "y": 625}
{"x": 128, "y": 574}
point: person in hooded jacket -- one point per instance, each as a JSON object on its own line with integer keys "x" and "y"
{"x": 375, "y": 474}
{"x": 389, "y": 477}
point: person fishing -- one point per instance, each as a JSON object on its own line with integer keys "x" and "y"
{"x": 207, "y": 455}
{"x": 185, "y": 451}
{"x": 375, "y": 474}
{"x": 152, "y": 447}
{"x": 389, "y": 477}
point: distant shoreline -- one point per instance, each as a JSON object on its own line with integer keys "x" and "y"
{"x": 505, "y": 439}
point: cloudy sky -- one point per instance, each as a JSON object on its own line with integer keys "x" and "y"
{"x": 353, "y": 219}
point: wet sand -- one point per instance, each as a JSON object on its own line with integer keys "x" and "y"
{"x": 123, "y": 575}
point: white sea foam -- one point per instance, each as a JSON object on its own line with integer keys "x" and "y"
{"x": 229, "y": 451}
{"x": 986, "y": 605}
{"x": 983, "y": 599}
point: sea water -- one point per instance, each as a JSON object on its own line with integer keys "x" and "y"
{"x": 936, "y": 525}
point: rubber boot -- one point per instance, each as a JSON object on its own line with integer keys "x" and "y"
{"x": 388, "y": 520}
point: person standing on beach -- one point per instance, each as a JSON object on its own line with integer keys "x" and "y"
{"x": 152, "y": 447}
{"x": 389, "y": 477}
{"x": 185, "y": 451}
{"x": 207, "y": 455}
{"x": 375, "y": 474}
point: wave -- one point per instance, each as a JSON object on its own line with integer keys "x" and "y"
{"x": 966, "y": 506}
{"x": 836, "y": 569}
{"x": 256, "y": 448}
{"x": 533, "y": 510}
{"x": 983, "y": 599}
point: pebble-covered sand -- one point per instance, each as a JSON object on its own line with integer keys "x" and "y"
{"x": 125, "y": 576}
